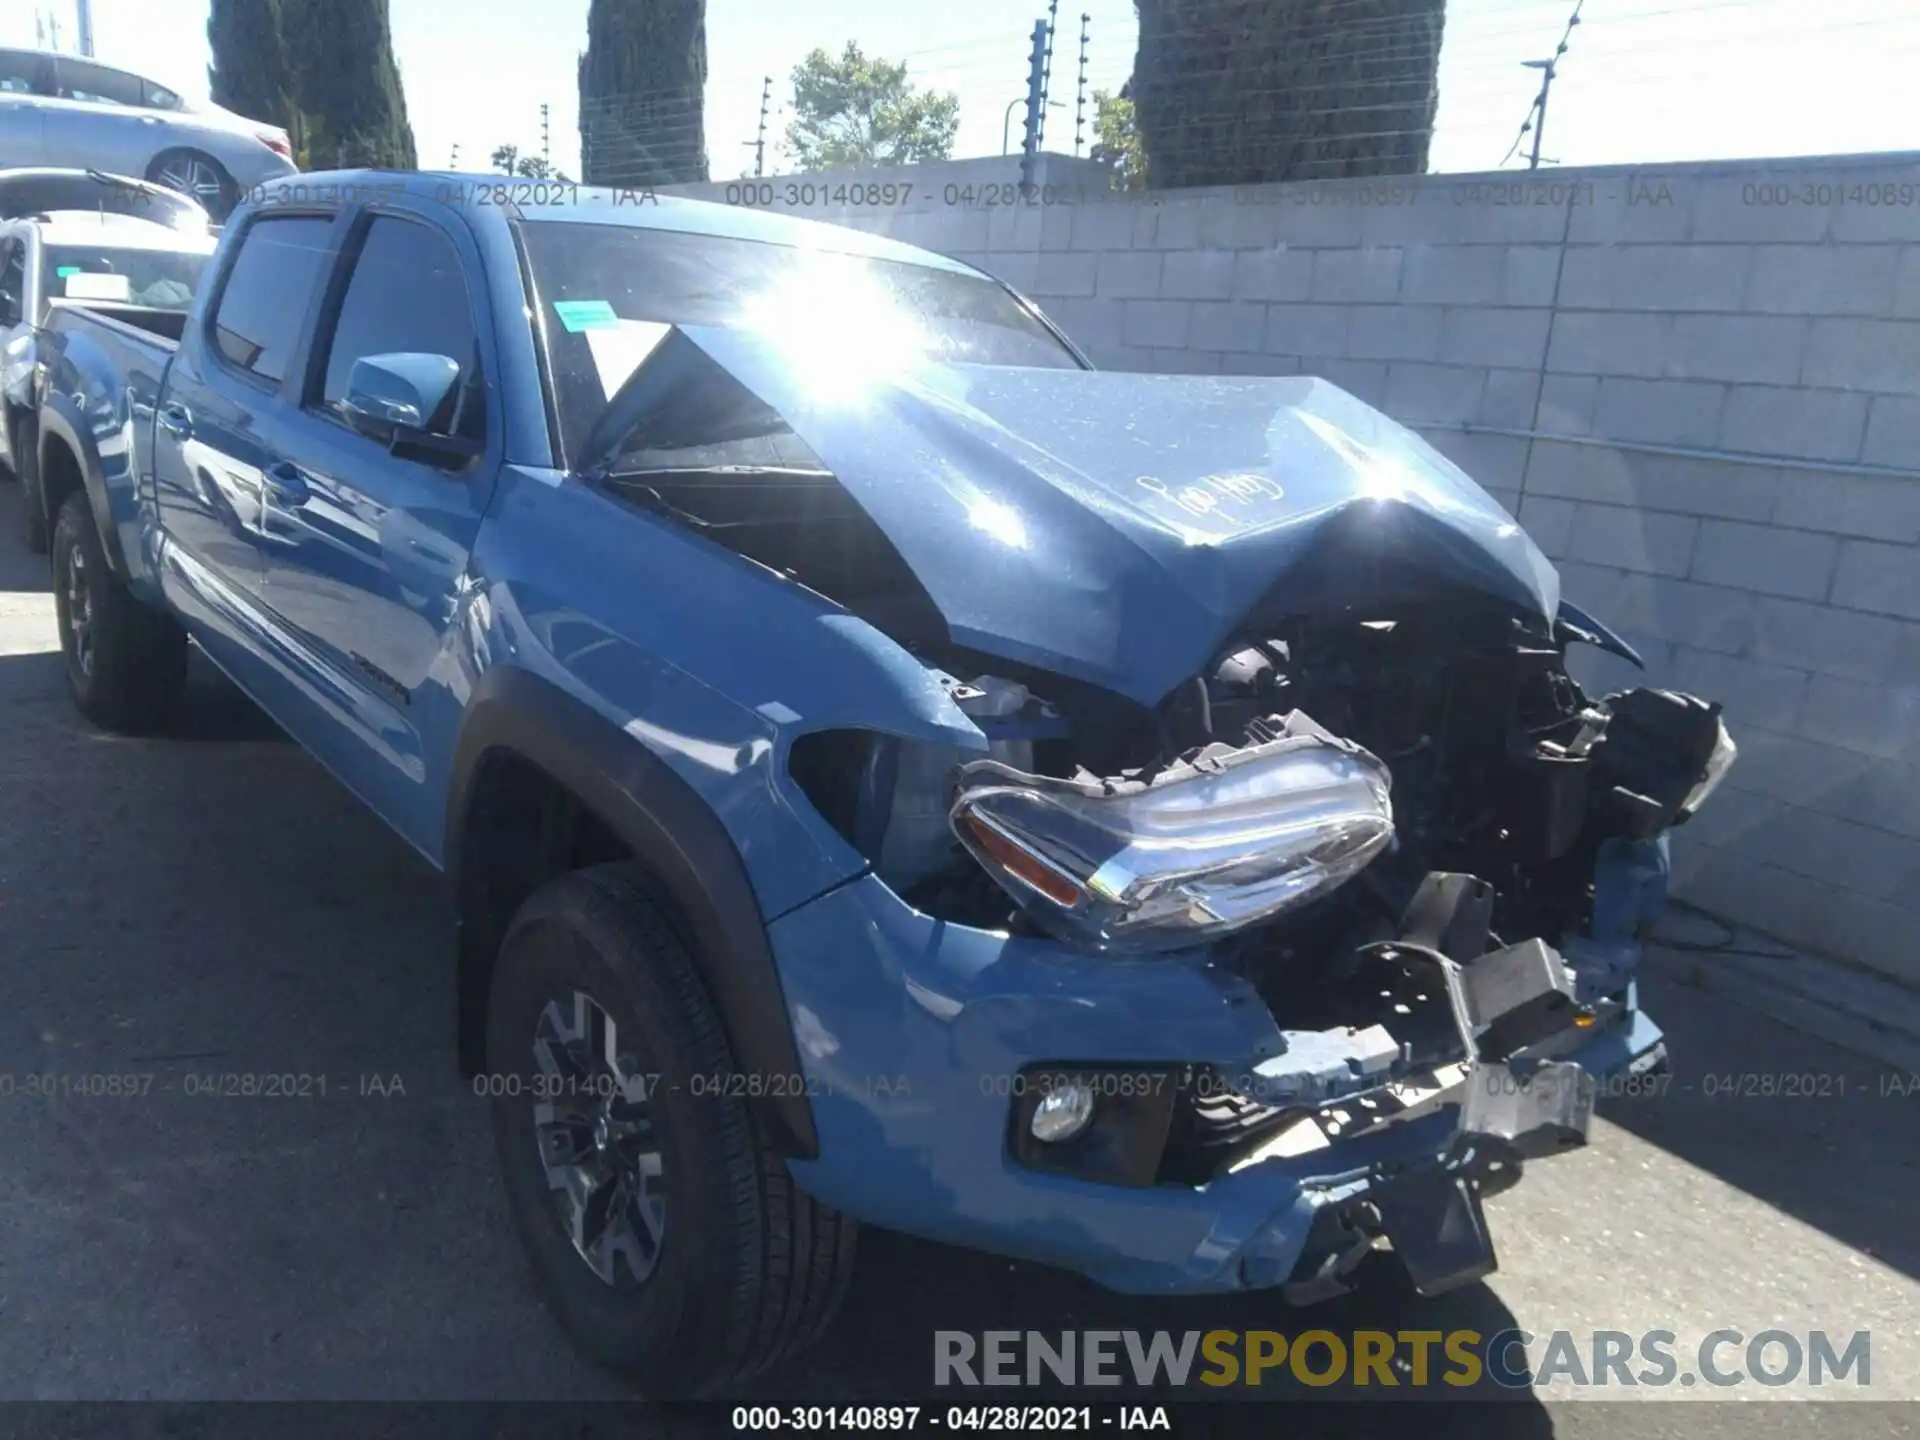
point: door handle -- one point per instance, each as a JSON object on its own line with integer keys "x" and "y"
{"x": 287, "y": 484}
{"x": 176, "y": 420}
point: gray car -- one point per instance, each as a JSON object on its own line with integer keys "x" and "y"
{"x": 63, "y": 110}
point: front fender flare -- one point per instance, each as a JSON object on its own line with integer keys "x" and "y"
{"x": 675, "y": 837}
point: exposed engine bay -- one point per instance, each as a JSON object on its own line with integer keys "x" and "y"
{"x": 1351, "y": 811}
{"x": 1500, "y": 768}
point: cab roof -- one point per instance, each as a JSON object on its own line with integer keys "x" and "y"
{"x": 638, "y": 207}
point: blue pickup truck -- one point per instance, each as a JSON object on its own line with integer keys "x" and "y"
{"x": 888, "y": 770}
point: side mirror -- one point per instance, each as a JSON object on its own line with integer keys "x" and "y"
{"x": 397, "y": 398}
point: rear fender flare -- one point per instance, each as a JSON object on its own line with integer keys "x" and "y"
{"x": 61, "y": 423}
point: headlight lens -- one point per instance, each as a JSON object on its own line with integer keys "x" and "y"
{"x": 1213, "y": 844}
{"x": 1725, "y": 752}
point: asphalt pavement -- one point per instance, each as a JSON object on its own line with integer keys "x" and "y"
{"x": 213, "y": 903}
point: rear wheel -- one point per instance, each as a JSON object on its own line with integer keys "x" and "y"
{"x": 198, "y": 176}
{"x": 126, "y": 664}
{"x": 663, "y": 1229}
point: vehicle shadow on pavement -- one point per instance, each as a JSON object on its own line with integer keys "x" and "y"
{"x": 906, "y": 1290}
{"x": 1819, "y": 1132}
{"x": 21, "y": 571}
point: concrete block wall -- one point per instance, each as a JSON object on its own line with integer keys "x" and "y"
{"x": 1698, "y": 386}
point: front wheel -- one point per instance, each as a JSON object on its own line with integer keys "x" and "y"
{"x": 664, "y": 1230}
{"x": 126, "y": 664}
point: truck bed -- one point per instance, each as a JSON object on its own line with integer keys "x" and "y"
{"x": 165, "y": 325}
{"x": 105, "y": 367}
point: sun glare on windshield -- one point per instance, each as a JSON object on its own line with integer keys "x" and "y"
{"x": 838, "y": 323}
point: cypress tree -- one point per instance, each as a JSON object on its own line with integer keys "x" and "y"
{"x": 250, "y": 74}
{"x": 347, "y": 85}
{"x": 643, "y": 83}
{"x": 1233, "y": 92}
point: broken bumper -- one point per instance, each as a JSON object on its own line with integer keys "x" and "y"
{"x": 916, "y": 1037}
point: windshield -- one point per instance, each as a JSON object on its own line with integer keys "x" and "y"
{"x": 155, "y": 279}
{"x": 23, "y": 195}
{"x": 598, "y": 278}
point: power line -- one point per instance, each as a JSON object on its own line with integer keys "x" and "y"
{"x": 1337, "y": 73}
{"x": 1462, "y": 32}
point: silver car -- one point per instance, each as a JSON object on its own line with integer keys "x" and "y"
{"x": 63, "y": 110}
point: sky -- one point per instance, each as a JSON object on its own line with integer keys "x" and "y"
{"x": 1642, "y": 80}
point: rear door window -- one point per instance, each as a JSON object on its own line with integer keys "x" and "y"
{"x": 280, "y": 264}
{"x": 76, "y": 80}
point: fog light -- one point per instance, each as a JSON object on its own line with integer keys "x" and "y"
{"x": 1062, "y": 1113}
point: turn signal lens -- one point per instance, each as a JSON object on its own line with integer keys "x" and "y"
{"x": 1022, "y": 864}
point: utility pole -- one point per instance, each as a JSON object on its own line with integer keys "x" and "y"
{"x": 759, "y": 143}
{"x": 1046, "y": 69}
{"x": 1036, "y": 102}
{"x": 1537, "y": 122}
{"x": 1080, "y": 99}
{"x": 453, "y": 161}
{"x": 546, "y": 147}
{"x": 83, "y": 11}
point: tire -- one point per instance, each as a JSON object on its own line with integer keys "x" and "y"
{"x": 725, "y": 1266}
{"x": 126, "y": 664}
{"x": 198, "y": 176}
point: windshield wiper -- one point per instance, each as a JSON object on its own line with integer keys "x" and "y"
{"x": 120, "y": 182}
{"x": 673, "y": 473}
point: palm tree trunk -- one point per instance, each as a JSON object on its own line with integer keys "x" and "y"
{"x": 1233, "y": 92}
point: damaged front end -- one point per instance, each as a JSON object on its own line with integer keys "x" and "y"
{"x": 1425, "y": 850}
{"x": 1276, "y": 891}
{"x": 1416, "y": 840}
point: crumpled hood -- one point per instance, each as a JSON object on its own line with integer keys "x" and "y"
{"x": 1120, "y": 527}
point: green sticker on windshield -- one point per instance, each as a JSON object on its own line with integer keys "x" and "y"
{"x": 66, "y": 270}
{"x": 578, "y": 315}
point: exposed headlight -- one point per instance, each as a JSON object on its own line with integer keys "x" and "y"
{"x": 1725, "y": 752}
{"x": 1218, "y": 842}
